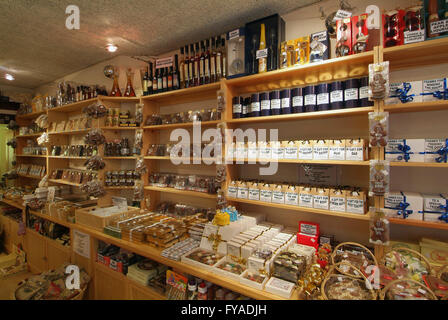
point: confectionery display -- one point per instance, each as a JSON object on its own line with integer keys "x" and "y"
{"x": 184, "y": 117}
{"x": 73, "y": 175}
{"x": 121, "y": 178}
{"x": 196, "y": 183}
{"x": 75, "y": 124}
{"x": 120, "y": 148}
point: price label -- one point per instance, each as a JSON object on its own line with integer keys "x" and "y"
{"x": 164, "y": 63}
{"x": 342, "y": 14}
{"x": 439, "y": 26}
{"x": 414, "y": 36}
{"x": 262, "y": 53}
{"x": 234, "y": 34}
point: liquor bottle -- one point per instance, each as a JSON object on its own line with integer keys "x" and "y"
{"x": 150, "y": 80}
{"x": 186, "y": 68}
{"x": 176, "y": 76}
{"x": 159, "y": 80}
{"x": 224, "y": 57}
{"x": 197, "y": 60}
{"x": 272, "y": 53}
{"x": 213, "y": 61}
{"x": 218, "y": 59}
{"x": 262, "y": 62}
{"x": 181, "y": 69}
{"x": 433, "y": 16}
{"x": 207, "y": 62}
{"x": 155, "y": 82}
{"x": 145, "y": 83}
{"x": 164, "y": 80}
{"x": 169, "y": 79}
{"x": 202, "y": 65}
{"x": 191, "y": 69}
{"x": 129, "y": 89}
{"x": 115, "y": 92}
{"x": 78, "y": 94}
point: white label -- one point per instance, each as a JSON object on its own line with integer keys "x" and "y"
{"x": 266, "y": 195}
{"x": 439, "y": 26}
{"x": 244, "y": 110}
{"x": 320, "y": 153}
{"x": 342, "y": 14}
{"x": 310, "y": 99}
{"x": 242, "y": 192}
{"x": 254, "y": 194}
{"x": 306, "y": 153}
{"x": 320, "y": 202}
{"x": 232, "y": 191}
{"x": 252, "y": 153}
{"x": 414, "y": 36}
{"x": 255, "y": 106}
{"x": 262, "y": 53}
{"x": 241, "y": 152}
{"x": 81, "y": 243}
{"x": 234, "y": 34}
{"x": 278, "y": 153}
{"x": 275, "y": 104}
{"x": 337, "y": 204}
{"x": 297, "y": 101}
{"x": 309, "y": 229}
{"x": 292, "y": 198}
{"x": 278, "y": 196}
{"x": 322, "y": 98}
{"x": 306, "y": 200}
{"x": 364, "y": 92}
{"x": 355, "y": 205}
{"x": 291, "y": 153}
{"x": 336, "y": 96}
{"x": 354, "y": 153}
{"x": 351, "y": 94}
{"x": 265, "y": 152}
{"x": 237, "y": 108}
{"x": 285, "y": 103}
{"x": 336, "y": 153}
{"x": 265, "y": 105}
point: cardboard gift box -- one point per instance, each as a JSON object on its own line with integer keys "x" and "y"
{"x": 308, "y": 234}
{"x": 242, "y": 190}
{"x": 337, "y": 200}
{"x": 405, "y": 150}
{"x": 404, "y": 205}
{"x": 266, "y": 192}
{"x": 278, "y": 194}
{"x": 254, "y": 190}
{"x": 292, "y": 195}
{"x": 278, "y": 152}
{"x": 252, "y": 150}
{"x": 336, "y": 150}
{"x": 356, "y": 201}
{"x": 305, "y": 197}
{"x": 434, "y": 90}
{"x": 320, "y": 150}
{"x": 232, "y": 189}
{"x": 321, "y": 198}
{"x": 405, "y": 92}
{"x": 306, "y": 150}
{"x": 436, "y": 150}
{"x": 217, "y": 237}
{"x": 355, "y": 150}
{"x": 291, "y": 149}
{"x": 319, "y": 46}
{"x": 434, "y": 205}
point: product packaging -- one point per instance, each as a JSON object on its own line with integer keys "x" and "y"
{"x": 405, "y": 205}
{"x": 360, "y": 33}
{"x": 321, "y": 198}
{"x": 393, "y": 28}
{"x": 343, "y": 37}
{"x": 379, "y": 80}
{"x": 436, "y": 150}
{"x": 308, "y": 234}
{"x": 306, "y": 150}
{"x": 305, "y": 197}
{"x": 337, "y": 200}
{"x": 413, "y": 25}
{"x": 379, "y": 128}
{"x": 379, "y": 177}
{"x": 302, "y": 51}
{"x": 434, "y": 90}
{"x": 435, "y": 207}
{"x": 355, "y": 150}
{"x": 356, "y": 201}
{"x": 236, "y": 59}
{"x": 319, "y": 46}
{"x": 405, "y": 150}
{"x": 336, "y": 149}
{"x": 379, "y": 227}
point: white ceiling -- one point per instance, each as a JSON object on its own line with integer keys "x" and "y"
{"x": 37, "y": 48}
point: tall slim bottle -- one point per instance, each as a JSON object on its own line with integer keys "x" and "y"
{"x": 191, "y": 67}
{"x": 224, "y": 57}
{"x": 155, "y": 82}
{"x": 207, "y": 62}
{"x": 129, "y": 92}
{"x": 169, "y": 79}
{"x": 262, "y": 62}
{"x": 150, "y": 80}
{"x": 202, "y": 65}
{"x": 165, "y": 79}
{"x": 181, "y": 69}
{"x": 176, "y": 82}
{"x": 186, "y": 68}
{"x": 213, "y": 61}
{"x": 159, "y": 80}
{"x": 145, "y": 83}
{"x": 218, "y": 59}
{"x": 197, "y": 62}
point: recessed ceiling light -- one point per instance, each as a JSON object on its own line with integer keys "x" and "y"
{"x": 111, "y": 47}
{"x": 9, "y": 77}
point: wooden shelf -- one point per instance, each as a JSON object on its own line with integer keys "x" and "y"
{"x": 70, "y": 132}
{"x": 31, "y": 135}
{"x": 67, "y": 249}
{"x": 30, "y": 156}
{"x": 29, "y": 176}
{"x": 30, "y": 115}
{"x": 333, "y": 162}
{"x": 119, "y": 188}
{"x": 353, "y": 66}
{"x": 72, "y": 107}
{"x": 417, "y": 106}
{"x": 119, "y": 99}
{"x": 421, "y": 224}
{"x": 430, "y": 52}
{"x": 169, "y": 158}
{"x": 302, "y": 209}
{"x": 306, "y": 115}
{"x": 147, "y": 289}
{"x": 419, "y": 164}
{"x": 119, "y": 158}
{"x": 67, "y": 157}
{"x": 59, "y": 181}
{"x": 181, "y": 125}
{"x": 119, "y": 128}
{"x": 185, "y": 95}
{"x": 182, "y": 192}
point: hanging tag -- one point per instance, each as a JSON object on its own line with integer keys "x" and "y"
{"x": 342, "y": 14}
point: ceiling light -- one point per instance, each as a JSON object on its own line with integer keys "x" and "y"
{"x": 111, "y": 47}
{"x": 9, "y": 77}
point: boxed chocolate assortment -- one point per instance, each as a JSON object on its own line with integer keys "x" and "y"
{"x": 206, "y": 114}
{"x": 417, "y": 150}
{"x": 417, "y": 91}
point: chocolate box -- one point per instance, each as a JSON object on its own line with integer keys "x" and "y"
{"x": 319, "y": 46}
{"x": 404, "y": 205}
{"x": 433, "y": 150}
{"x": 433, "y": 206}
{"x": 415, "y": 150}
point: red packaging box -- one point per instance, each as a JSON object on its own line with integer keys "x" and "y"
{"x": 343, "y": 37}
{"x": 115, "y": 265}
{"x": 103, "y": 259}
{"x": 308, "y": 234}
{"x": 393, "y": 28}
{"x": 360, "y": 33}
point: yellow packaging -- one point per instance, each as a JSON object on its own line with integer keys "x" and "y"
{"x": 302, "y": 50}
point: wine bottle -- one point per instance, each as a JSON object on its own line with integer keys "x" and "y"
{"x": 207, "y": 62}
{"x": 150, "y": 79}
{"x": 191, "y": 69}
{"x": 176, "y": 83}
{"x": 224, "y": 57}
{"x": 262, "y": 62}
{"x": 164, "y": 80}
{"x": 202, "y": 65}
{"x": 213, "y": 61}
{"x": 145, "y": 83}
{"x": 181, "y": 69}
{"x": 197, "y": 59}
{"x": 218, "y": 59}
{"x": 159, "y": 80}
{"x": 155, "y": 82}
{"x": 186, "y": 68}
{"x": 169, "y": 79}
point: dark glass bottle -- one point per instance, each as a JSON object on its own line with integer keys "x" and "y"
{"x": 218, "y": 59}
{"x": 145, "y": 83}
{"x": 150, "y": 79}
{"x": 164, "y": 79}
{"x": 169, "y": 79}
{"x": 191, "y": 68}
{"x": 197, "y": 61}
{"x": 224, "y": 57}
{"x": 186, "y": 69}
{"x": 155, "y": 82}
{"x": 176, "y": 76}
{"x": 207, "y": 62}
{"x": 202, "y": 65}
{"x": 213, "y": 61}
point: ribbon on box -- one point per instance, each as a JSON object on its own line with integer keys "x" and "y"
{"x": 441, "y": 95}
{"x": 402, "y": 208}
{"x": 444, "y": 214}
{"x": 404, "y": 151}
{"x": 442, "y": 152}
{"x": 403, "y": 95}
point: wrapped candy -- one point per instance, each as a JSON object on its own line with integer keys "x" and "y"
{"x": 43, "y": 140}
{"x": 95, "y": 163}
{"x": 379, "y": 80}
{"x": 43, "y": 182}
{"x": 138, "y": 142}
{"x": 310, "y": 283}
{"x": 379, "y": 227}
{"x": 95, "y": 137}
{"x": 140, "y": 166}
{"x": 138, "y": 114}
{"x": 379, "y": 128}
{"x": 379, "y": 177}
{"x": 42, "y": 121}
{"x": 95, "y": 111}
{"x": 93, "y": 188}
{"x": 139, "y": 193}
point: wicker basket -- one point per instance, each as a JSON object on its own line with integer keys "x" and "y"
{"x": 331, "y": 275}
{"x": 424, "y": 290}
{"x": 78, "y": 296}
{"x": 356, "y": 272}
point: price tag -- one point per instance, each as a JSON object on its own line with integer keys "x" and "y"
{"x": 414, "y": 36}
{"x": 234, "y": 34}
{"x": 342, "y": 14}
{"x": 262, "y": 53}
{"x": 439, "y": 26}
{"x": 164, "y": 63}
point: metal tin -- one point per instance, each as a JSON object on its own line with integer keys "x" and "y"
{"x": 351, "y": 93}
{"x": 275, "y": 102}
{"x": 297, "y": 100}
{"x": 309, "y": 96}
{"x": 323, "y": 96}
{"x": 255, "y": 105}
{"x": 285, "y": 96}
{"x": 364, "y": 93}
{"x": 337, "y": 95}
{"x": 237, "y": 107}
{"x": 246, "y": 108}
{"x": 265, "y": 104}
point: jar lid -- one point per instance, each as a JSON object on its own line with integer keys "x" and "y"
{"x": 351, "y": 83}
{"x": 264, "y": 96}
{"x": 297, "y": 92}
{"x": 274, "y": 94}
{"x": 285, "y": 93}
{"x": 237, "y": 100}
{"x": 337, "y": 85}
{"x": 255, "y": 97}
{"x": 309, "y": 90}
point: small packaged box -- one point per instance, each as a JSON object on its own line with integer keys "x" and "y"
{"x": 278, "y": 194}
{"x": 264, "y": 150}
{"x": 242, "y": 190}
{"x": 336, "y": 149}
{"x": 292, "y": 195}
{"x": 343, "y": 37}
{"x": 434, "y": 90}
{"x": 319, "y": 46}
{"x": 308, "y": 234}
{"x": 405, "y": 150}
{"x": 306, "y": 251}
{"x": 280, "y": 287}
{"x": 277, "y": 150}
{"x": 337, "y": 200}
{"x": 266, "y": 192}
{"x": 433, "y": 206}
{"x": 235, "y": 53}
{"x": 252, "y": 150}
{"x": 302, "y": 51}
{"x": 434, "y": 150}
{"x": 305, "y": 197}
{"x": 291, "y": 150}
{"x": 254, "y": 190}
{"x": 254, "y": 279}
{"x": 232, "y": 189}
{"x": 306, "y": 150}
{"x": 355, "y": 150}
{"x": 356, "y": 201}
{"x": 320, "y": 150}
{"x": 405, "y": 92}
{"x": 404, "y": 205}
{"x": 360, "y": 33}
{"x": 241, "y": 151}
{"x": 321, "y": 198}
